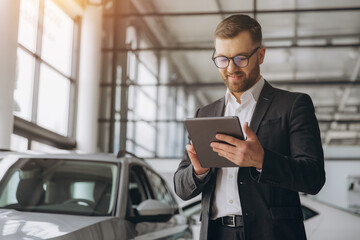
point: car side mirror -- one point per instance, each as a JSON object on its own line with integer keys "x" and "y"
{"x": 152, "y": 210}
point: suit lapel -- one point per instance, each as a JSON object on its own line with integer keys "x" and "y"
{"x": 219, "y": 108}
{"x": 263, "y": 104}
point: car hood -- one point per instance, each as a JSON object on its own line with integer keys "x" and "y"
{"x": 28, "y": 225}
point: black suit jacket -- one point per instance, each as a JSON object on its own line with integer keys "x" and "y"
{"x": 288, "y": 130}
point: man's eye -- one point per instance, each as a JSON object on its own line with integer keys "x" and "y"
{"x": 240, "y": 58}
{"x": 222, "y": 59}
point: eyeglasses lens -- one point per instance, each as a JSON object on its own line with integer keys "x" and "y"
{"x": 221, "y": 62}
{"x": 241, "y": 61}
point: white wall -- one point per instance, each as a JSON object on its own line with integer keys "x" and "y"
{"x": 343, "y": 162}
{"x": 335, "y": 190}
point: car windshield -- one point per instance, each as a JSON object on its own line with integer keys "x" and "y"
{"x": 60, "y": 186}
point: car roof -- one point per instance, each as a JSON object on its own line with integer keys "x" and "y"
{"x": 103, "y": 157}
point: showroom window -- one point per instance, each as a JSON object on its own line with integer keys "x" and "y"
{"x": 143, "y": 96}
{"x": 46, "y": 75}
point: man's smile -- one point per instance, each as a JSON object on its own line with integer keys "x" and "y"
{"x": 234, "y": 77}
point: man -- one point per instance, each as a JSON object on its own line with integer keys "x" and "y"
{"x": 281, "y": 156}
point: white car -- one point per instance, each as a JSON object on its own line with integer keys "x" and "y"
{"x": 325, "y": 222}
{"x": 322, "y": 222}
{"x": 76, "y": 196}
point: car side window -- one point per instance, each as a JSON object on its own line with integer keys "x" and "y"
{"x": 138, "y": 189}
{"x": 160, "y": 189}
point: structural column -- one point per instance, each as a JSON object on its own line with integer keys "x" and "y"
{"x": 89, "y": 79}
{"x": 9, "y": 21}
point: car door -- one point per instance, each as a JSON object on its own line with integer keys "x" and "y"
{"x": 145, "y": 184}
{"x": 178, "y": 225}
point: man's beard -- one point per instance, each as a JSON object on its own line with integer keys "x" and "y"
{"x": 245, "y": 84}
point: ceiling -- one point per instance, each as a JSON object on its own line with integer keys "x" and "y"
{"x": 313, "y": 46}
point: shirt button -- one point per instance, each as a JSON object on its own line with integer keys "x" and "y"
{"x": 231, "y": 201}
{"x": 230, "y": 176}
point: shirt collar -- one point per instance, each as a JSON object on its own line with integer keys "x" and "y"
{"x": 253, "y": 92}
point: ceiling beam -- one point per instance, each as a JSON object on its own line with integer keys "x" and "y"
{"x": 325, "y": 36}
{"x": 255, "y": 11}
{"x": 309, "y": 82}
{"x": 211, "y": 48}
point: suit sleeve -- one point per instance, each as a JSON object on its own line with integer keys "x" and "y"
{"x": 186, "y": 184}
{"x": 303, "y": 170}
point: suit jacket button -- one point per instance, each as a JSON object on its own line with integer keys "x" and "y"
{"x": 246, "y": 214}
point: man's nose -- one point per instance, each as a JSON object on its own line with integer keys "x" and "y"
{"x": 232, "y": 68}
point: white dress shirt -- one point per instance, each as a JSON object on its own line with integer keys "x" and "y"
{"x": 226, "y": 199}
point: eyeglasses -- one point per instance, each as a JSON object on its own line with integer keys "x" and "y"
{"x": 239, "y": 60}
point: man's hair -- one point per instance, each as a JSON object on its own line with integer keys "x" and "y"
{"x": 231, "y": 26}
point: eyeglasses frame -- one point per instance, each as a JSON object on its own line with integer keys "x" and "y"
{"x": 232, "y": 58}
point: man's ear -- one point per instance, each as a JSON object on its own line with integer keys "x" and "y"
{"x": 261, "y": 55}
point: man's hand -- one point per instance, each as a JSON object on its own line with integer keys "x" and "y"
{"x": 247, "y": 153}
{"x": 195, "y": 161}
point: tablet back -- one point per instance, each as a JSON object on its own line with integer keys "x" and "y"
{"x": 202, "y": 132}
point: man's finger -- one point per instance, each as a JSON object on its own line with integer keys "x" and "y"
{"x": 249, "y": 132}
{"x": 226, "y": 138}
{"x": 190, "y": 148}
{"x": 222, "y": 146}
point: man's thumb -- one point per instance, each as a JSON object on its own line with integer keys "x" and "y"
{"x": 249, "y": 133}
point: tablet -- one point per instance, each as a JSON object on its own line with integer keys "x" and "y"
{"x": 202, "y": 132}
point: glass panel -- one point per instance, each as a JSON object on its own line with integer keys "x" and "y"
{"x": 162, "y": 134}
{"x": 24, "y": 85}
{"x": 130, "y": 130}
{"x": 57, "y": 38}
{"x": 180, "y": 147}
{"x": 338, "y": 20}
{"x": 118, "y": 99}
{"x": 149, "y": 61}
{"x": 130, "y": 146}
{"x": 28, "y": 21}
{"x": 189, "y": 6}
{"x": 60, "y": 186}
{"x": 275, "y": 4}
{"x": 274, "y": 25}
{"x": 164, "y": 95}
{"x": 116, "y": 146}
{"x": 131, "y": 97}
{"x": 145, "y": 76}
{"x": 53, "y": 103}
{"x": 145, "y": 135}
{"x": 132, "y": 66}
{"x": 145, "y": 106}
{"x": 18, "y": 143}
